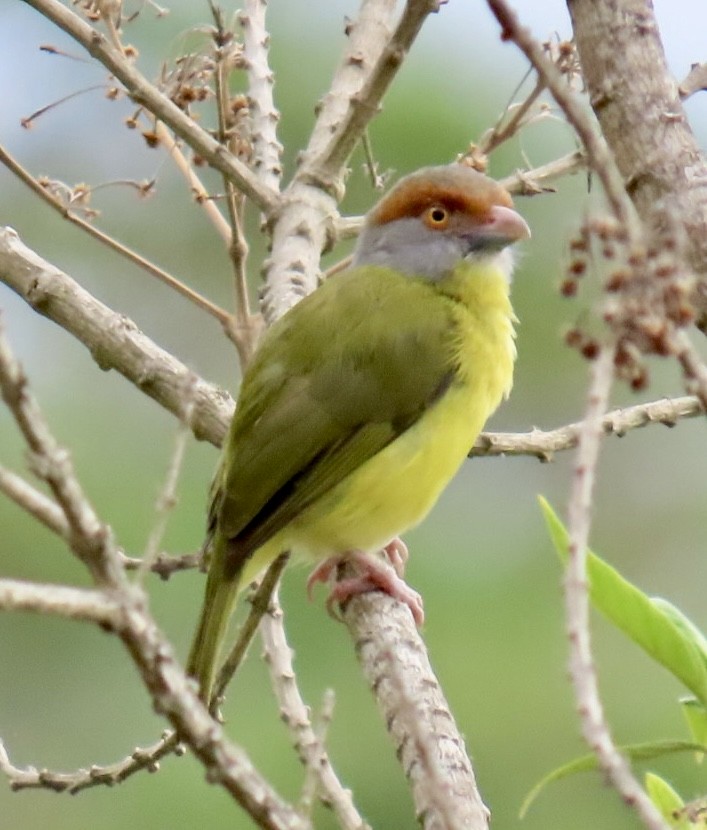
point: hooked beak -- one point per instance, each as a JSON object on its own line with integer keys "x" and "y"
{"x": 503, "y": 227}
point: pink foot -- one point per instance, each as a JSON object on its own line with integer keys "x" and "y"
{"x": 373, "y": 575}
{"x": 397, "y": 554}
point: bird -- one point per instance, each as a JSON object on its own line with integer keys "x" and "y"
{"x": 363, "y": 400}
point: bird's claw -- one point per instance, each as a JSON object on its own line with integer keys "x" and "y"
{"x": 373, "y": 575}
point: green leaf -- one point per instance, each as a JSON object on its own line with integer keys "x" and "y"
{"x": 668, "y": 802}
{"x": 653, "y": 624}
{"x": 696, "y": 717}
{"x": 635, "y": 752}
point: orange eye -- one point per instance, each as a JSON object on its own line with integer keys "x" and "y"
{"x": 437, "y": 217}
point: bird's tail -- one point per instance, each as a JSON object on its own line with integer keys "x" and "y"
{"x": 219, "y": 599}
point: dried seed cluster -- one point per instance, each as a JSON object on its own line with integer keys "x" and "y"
{"x": 648, "y": 294}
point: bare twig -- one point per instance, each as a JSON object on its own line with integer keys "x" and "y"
{"x": 137, "y": 259}
{"x": 44, "y": 509}
{"x": 531, "y": 182}
{"x": 506, "y": 129}
{"x": 63, "y": 601}
{"x": 164, "y": 565}
{"x": 201, "y": 195}
{"x": 82, "y": 779}
{"x": 260, "y": 605}
{"x": 295, "y": 714}
{"x": 88, "y": 537}
{"x": 167, "y": 498}
{"x": 122, "y": 608}
{"x": 143, "y": 92}
{"x": 599, "y": 158}
{"x": 617, "y": 422}
{"x": 244, "y": 329}
{"x": 694, "y": 81}
{"x": 582, "y": 670}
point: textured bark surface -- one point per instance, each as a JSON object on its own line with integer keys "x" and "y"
{"x": 638, "y": 105}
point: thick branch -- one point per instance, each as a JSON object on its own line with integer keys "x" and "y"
{"x": 638, "y": 105}
{"x": 114, "y": 340}
{"x": 430, "y": 748}
{"x": 599, "y": 159}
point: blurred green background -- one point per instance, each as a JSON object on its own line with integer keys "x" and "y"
{"x": 69, "y": 696}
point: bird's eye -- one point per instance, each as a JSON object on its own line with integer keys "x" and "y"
{"x": 437, "y": 217}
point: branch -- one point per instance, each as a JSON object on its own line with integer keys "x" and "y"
{"x": 364, "y": 75}
{"x": 581, "y": 665}
{"x": 306, "y": 222}
{"x": 125, "y": 613}
{"x": 267, "y": 150}
{"x": 637, "y": 103}
{"x": 296, "y": 716}
{"x": 116, "y": 343}
{"x": 113, "y": 339}
{"x": 599, "y": 158}
{"x": 42, "y": 508}
{"x": 694, "y": 81}
{"x": 82, "y": 779}
{"x": 618, "y": 422}
{"x": 146, "y": 94}
{"x": 412, "y": 705}
{"x": 73, "y": 603}
{"x": 88, "y": 537}
{"x": 105, "y": 239}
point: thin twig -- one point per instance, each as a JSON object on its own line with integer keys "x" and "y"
{"x": 165, "y": 564}
{"x": 46, "y": 511}
{"x": 617, "y": 422}
{"x": 581, "y": 665}
{"x": 502, "y": 132}
{"x": 168, "y": 495}
{"x": 599, "y": 158}
{"x": 295, "y": 714}
{"x": 694, "y": 81}
{"x": 533, "y": 181}
{"x": 88, "y": 537}
{"x": 260, "y": 604}
{"x": 146, "y": 94}
{"x": 201, "y": 195}
{"x": 105, "y": 239}
{"x": 96, "y": 775}
{"x": 41, "y": 507}
{"x": 244, "y": 331}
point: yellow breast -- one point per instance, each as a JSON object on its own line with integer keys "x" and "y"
{"x": 395, "y": 490}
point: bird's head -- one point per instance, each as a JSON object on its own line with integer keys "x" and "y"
{"x": 435, "y": 218}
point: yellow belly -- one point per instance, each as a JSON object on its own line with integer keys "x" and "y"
{"x": 394, "y": 491}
